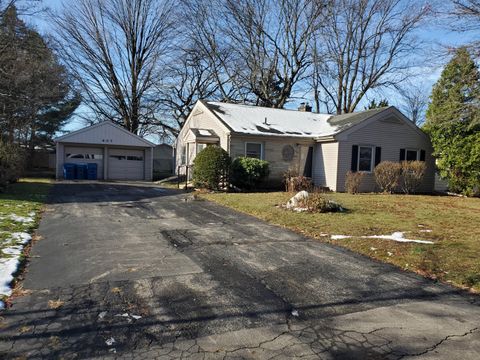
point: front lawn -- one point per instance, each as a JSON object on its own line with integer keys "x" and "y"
{"x": 20, "y": 205}
{"x": 452, "y": 223}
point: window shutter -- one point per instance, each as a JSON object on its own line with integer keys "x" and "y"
{"x": 378, "y": 155}
{"x": 402, "y": 154}
{"x": 422, "y": 155}
{"x": 354, "y": 158}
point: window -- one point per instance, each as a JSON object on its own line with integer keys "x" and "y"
{"x": 200, "y": 147}
{"x": 118, "y": 157}
{"x": 75, "y": 156}
{"x": 365, "y": 157}
{"x": 412, "y": 155}
{"x": 135, "y": 158}
{"x": 85, "y": 156}
{"x": 184, "y": 155}
{"x": 253, "y": 150}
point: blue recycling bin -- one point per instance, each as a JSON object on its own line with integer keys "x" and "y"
{"x": 69, "y": 171}
{"x": 81, "y": 172}
{"x": 92, "y": 171}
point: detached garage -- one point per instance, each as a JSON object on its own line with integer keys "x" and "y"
{"x": 118, "y": 153}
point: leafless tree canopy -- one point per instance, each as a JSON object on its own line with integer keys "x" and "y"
{"x": 365, "y": 44}
{"x": 116, "y": 50}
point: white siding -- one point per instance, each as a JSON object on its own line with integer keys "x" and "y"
{"x": 325, "y": 160}
{"x": 200, "y": 118}
{"x": 105, "y": 133}
{"x": 391, "y": 135}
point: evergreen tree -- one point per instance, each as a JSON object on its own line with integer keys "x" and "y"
{"x": 36, "y": 96}
{"x": 373, "y": 104}
{"x": 453, "y": 122}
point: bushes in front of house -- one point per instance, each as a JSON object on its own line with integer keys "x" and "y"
{"x": 353, "y": 179}
{"x": 12, "y": 162}
{"x": 248, "y": 173}
{"x": 407, "y": 175}
{"x": 387, "y": 175}
{"x": 294, "y": 182}
{"x": 413, "y": 173}
{"x": 211, "y": 168}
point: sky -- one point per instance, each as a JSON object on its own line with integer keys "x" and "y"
{"x": 436, "y": 35}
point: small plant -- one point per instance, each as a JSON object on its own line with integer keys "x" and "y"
{"x": 353, "y": 181}
{"x": 316, "y": 202}
{"x": 413, "y": 173}
{"x": 295, "y": 183}
{"x": 249, "y": 173}
{"x": 211, "y": 168}
{"x": 387, "y": 175}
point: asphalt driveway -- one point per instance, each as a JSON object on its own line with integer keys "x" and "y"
{"x": 134, "y": 271}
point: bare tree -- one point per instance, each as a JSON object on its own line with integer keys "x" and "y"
{"x": 414, "y": 101}
{"x": 365, "y": 44}
{"x": 189, "y": 79}
{"x": 117, "y": 50}
{"x": 259, "y": 48}
{"x": 466, "y": 14}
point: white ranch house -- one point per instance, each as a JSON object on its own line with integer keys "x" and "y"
{"x": 321, "y": 146}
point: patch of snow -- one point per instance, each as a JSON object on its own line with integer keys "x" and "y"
{"x": 373, "y": 249}
{"x": 389, "y": 253}
{"x": 399, "y": 237}
{"x": 110, "y": 341}
{"x": 21, "y": 219}
{"x": 339, "y": 237}
{"x": 425, "y": 231}
{"x": 273, "y": 122}
{"x": 295, "y": 313}
{"x": 136, "y": 317}
{"x": 396, "y": 236}
{"x": 9, "y": 264}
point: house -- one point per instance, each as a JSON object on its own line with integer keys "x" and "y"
{"x": 163, "y": 160}
{"x": 118, "y": 153}
{"x": 321, "y": 146}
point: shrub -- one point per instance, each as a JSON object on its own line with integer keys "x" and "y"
{"x": 387, "y": 175}
{"x": 295, "y": 183}
{"x": 353, "y": 181}
{"x": 12, "y": 161}
{"x": 413, "y": 173}
{"x": 316, "y": 202}
{"x": 211, "y": 168}
{"x": 248, "y": 173}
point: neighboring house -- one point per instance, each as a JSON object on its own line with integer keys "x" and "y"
{"x": 163, "y": 161}
{"x": 322, "y": 146}
{"x": 118, "y": 153}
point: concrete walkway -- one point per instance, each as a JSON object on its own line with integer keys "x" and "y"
{"x": 133, "y": 271}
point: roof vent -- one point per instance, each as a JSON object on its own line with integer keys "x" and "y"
{"x": 305, "y": 107}
{"x": 266, "y": 121}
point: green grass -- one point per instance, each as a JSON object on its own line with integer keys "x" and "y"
{"x": 23, "y": 199}
{"x": 454, "y": 221}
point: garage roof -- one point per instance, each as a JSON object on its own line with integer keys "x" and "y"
{"x": 105, "y": 133}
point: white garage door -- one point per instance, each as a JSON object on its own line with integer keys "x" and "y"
{"x": 125, "y": 164}
{"x": 85, "y": 155}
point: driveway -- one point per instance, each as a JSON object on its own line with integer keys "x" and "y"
{"x": 134, "y": 271}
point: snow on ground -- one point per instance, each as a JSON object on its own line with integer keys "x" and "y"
{"x": 398, "y": 236}
{"x": 11, "y": 248}
{"x": 21, "y": 219}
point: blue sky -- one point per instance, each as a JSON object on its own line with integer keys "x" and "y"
{"x": 436, "y": 35}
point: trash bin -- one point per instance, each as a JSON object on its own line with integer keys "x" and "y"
{"x": 69, "y": 171}
{"x": 81, "y": 172}
{"x": 91, "y": 171}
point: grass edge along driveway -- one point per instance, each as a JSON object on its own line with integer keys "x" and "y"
{"x": 451, "y": 223}
{"x": 20, "y": 207}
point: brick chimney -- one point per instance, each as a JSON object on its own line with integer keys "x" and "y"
{"x": 305, "y": 107}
